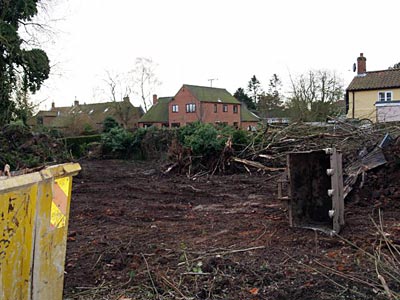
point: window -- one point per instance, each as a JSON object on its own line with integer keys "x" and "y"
{"x": 175, "y": 108}
{"x": 236, "y": 125}
{"x": 225, "y": 108}
{"x": 215, "y": 108}
{"x": 175, "y": 125}
{"x": 384, "y": 96}
{"x": 190, "y": 107}
{"x": 235, "y": 109}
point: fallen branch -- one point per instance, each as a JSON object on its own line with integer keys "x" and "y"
{"x": 255, "y": 164}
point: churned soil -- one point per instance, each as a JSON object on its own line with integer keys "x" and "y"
{"x": 136, "y": 233}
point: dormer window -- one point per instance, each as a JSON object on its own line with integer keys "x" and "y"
{"x": 385, "y": 96}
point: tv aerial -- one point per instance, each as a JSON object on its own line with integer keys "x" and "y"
{"x": 211, "y": 81}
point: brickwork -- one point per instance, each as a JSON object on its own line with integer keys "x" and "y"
{"x": 206, "y": 112}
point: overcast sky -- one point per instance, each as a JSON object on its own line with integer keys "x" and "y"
{"x": 193, "y": 41}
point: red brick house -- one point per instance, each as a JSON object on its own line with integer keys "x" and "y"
{"x": 198, "y": 103}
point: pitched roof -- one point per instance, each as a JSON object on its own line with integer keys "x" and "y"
{"x": 210, "y": 94}
{"x": 376, "y": 80}
{"x": 158, "y": 113}
{"x": 97, "y": 112}
{"x": 247, "y": 116}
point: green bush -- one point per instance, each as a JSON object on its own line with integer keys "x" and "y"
{"x": 205, "y": 140}
{"x": 137, "y": 151}
{"x": 187, "y": 130}
{"x": 240, "y": 139}
{"x": 109, "y": 123}
{"x": 118, "y": 143}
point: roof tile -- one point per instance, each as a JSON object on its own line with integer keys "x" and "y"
{"x": 210, "y": 94}
{"x": 376, "y": 80}
{"x": 158, "y": 113}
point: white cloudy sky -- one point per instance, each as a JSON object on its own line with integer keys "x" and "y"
{"x": 192, "y": 41}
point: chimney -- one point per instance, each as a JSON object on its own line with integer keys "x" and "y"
{"x": 126, "y": 99}
{"x": 361, "y": 64}
{"x": 76, "y": 102}
{"x": 155, "y": 99}
{"x": 53, "y": 106}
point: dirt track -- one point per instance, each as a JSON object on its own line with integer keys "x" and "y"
{"x": 137, "y": 234}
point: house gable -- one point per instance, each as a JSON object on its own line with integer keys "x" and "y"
{"x": 205, "y": 104}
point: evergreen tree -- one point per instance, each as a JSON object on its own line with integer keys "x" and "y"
{"x": 270, "y": 103}
{"x": 254, "y": 88}
{"x": 21, "y": 69}
{"x": 241, "y": 95}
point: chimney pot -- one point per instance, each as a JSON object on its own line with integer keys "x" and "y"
{"x": 155, "y": 99}
{"x": 361, "y": 64}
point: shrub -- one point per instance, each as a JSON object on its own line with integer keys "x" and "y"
{"x": 109, "y": 123}
{"x": 240, "y": 139}
{"x": 187, "y": 130}
{"x": 118, "y": 143}
{"x": 204, "y": 140}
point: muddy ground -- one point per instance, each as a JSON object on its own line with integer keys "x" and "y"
{"x": 135, "y": 233}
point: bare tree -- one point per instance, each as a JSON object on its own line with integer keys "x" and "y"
{"x": 313, "y": 94}
{"x": 119, "y": 91}
{"x": 118, "y": 85}
{"x": 145, "y": 80}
